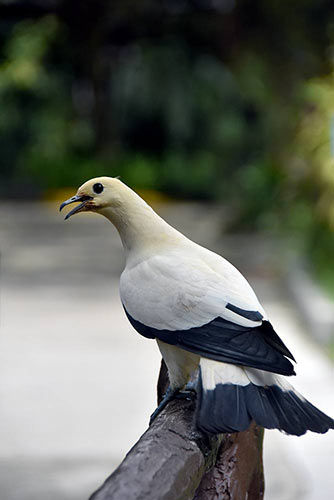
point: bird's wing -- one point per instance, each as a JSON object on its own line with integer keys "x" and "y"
{"x": 204, "y": 306}
{"x": 179, "y": 290}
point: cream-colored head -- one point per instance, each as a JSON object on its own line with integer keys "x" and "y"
{"x": 138, "y": 225}
{"x": 142, "y": 231}
{"x": 99, "y": 194}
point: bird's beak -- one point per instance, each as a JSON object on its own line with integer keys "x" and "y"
{"x": 76, "y": 209}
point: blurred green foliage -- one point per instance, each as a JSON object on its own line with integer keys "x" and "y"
{"x": 203, "y": 100}
{"x": 311, "y": 166}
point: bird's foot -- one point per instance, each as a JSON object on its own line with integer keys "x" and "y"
{"x": 192, "y": 385}
{"x": 168, "y": 396}
{"x": 188, "y": 394}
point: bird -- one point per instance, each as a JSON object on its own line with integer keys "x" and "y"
{"x": 205, "y": 318}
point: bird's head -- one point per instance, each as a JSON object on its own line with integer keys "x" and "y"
{"x": 139, "y": 227}
{"x": 95, "y": 195}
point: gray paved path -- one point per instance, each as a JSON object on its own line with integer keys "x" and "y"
{"x": 77, "y": 384}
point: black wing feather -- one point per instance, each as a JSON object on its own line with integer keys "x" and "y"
{"x": 225, "y": 341}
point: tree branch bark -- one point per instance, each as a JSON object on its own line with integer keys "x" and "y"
{"x": 174, "y": 461}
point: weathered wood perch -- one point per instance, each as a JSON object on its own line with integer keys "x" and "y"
{"x": 173, "y": 461}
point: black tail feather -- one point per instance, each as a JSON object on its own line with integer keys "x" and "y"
{"x": 231, "y": 408}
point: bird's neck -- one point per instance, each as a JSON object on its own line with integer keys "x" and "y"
{"x": 142, "y": 231}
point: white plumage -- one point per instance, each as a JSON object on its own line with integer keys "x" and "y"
{"x": 185, "y": 287}
{"x": 203, "y": 314}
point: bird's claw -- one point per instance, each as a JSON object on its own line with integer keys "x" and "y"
{"x": 169, "y": 395}
{"x": 189, "y": 395}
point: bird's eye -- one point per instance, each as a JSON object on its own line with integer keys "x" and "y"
{"x": 98, "y": 188}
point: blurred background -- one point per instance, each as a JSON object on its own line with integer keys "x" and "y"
{"x": 220, "y": 113}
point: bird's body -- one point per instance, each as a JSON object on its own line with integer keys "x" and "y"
{"x": 203, "y": 314}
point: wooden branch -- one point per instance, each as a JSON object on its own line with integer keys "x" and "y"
{"x": 238, "y": 472}
{"x": 168, "y": 461}
{"x": 173, "y": 461}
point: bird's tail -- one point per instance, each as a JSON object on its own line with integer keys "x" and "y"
{"x": 230, "y": 397}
